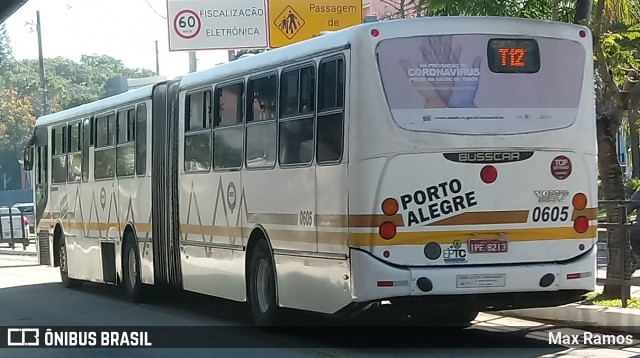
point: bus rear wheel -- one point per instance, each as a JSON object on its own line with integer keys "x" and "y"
{"x": 133, "y": 286}
{"x": 64, "y": 266}
{"x": 261, "y": 286}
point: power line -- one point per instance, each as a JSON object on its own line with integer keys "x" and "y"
{"x": 154, "y": 10}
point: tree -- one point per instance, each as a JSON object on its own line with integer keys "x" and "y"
{"x": 613, "y": 92}
{"x": 16, "y": 123}
{"x": 614, "y": 88}
{"x": 401, "y": 8}
{"x": 240, "y": 53}
{"x": 5, "y": 49}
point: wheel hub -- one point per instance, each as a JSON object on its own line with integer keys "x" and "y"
{"x": 133, "y": 274}
{"x": 264, "y": 286}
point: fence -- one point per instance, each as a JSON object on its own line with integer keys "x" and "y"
{"x": 12, "y": 228}
{"x": 620, "y": 231}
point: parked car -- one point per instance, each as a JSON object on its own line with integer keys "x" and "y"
{"x": 14, "y": 227}
{"x": 27, "y": 211}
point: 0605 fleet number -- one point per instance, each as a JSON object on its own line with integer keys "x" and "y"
{"x": 550, "y": 214}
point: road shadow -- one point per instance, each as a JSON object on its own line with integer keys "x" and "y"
{"x": 222, "y": 323}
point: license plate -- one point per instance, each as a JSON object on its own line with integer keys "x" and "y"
{"x": 487, "y": 280}
{"x": 487, "y": 246}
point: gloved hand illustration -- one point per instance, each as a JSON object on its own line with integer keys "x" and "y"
{"x": 438, "y": 50}
{"x": 464, "y": 93}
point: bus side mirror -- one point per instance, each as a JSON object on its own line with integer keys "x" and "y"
{"x": 28, "y": 158}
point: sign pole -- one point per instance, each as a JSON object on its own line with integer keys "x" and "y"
{"x": 157, "y": 60}
{"x": 192, "y": 61}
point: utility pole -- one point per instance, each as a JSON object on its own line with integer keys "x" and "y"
{"x": 157, "y": 60}
{"x": 43, "y": 85}
{"x": 192, "y": 61}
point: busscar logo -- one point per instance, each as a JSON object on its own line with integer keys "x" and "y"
{"x": 487, "y": 157}
{"x": 23, "y": 337}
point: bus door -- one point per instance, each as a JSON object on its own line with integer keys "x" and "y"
{"x": 164, "y": 180}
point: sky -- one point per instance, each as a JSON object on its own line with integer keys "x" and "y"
{"x": 124, "y": 29}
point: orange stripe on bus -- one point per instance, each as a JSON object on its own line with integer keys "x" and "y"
{"x": 485, "y": 218}
{"x": 448, "y": 237}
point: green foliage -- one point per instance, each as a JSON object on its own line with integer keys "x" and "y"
{"x": 621, "y": 50}
{"x": 5, "y": 50}
{"x": 539, "y": 9}
{"x": 70, "y": 83}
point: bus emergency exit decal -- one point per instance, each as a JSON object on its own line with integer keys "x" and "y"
{"x": 436, "y": 201}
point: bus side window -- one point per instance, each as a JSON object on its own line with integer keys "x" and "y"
{"x": 74, "y": 158}
{"x": 41, "y": 165}
{"x": 104, "y": 153}
{"x": 86, "y": 140}
{"x": 297, "y": 109}
{"x": 125, "y": 149}
{"x": 228, "y": 131}
{"x": 197, "y": 132}
{"x": 58, "y": 157}
{"x": 330, "y": 125}
{"x": 261, "y": 121}
{"x": 141, "y": 139}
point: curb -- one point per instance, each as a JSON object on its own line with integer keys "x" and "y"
{"x": 17, "y": 252}
{"x": 621, "y": 319}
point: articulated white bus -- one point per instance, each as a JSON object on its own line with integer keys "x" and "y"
{"x": 433, "y": 165}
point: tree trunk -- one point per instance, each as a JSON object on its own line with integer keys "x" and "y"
{"x": 613, "y": 188}
{"x": 583, "y": 10}
{"x": 554, "y": 10}
{"x": 634, "y": 142}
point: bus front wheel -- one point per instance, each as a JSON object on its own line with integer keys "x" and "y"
{"x": 133, "y": 287}
{"x": 261, "y": 286}
{"x": 64, "y": 266}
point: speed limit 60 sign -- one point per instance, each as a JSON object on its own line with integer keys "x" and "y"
{"x": 220, "y": 24}
{"x": 187, "y": 24}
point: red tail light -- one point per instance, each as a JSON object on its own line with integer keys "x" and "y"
{"x": 489, "y": 174}
{"x": 387, "y": 230}
{"x": 581, "y": 224}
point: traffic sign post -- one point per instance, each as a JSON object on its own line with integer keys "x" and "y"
{"x": 220, "y": 24}
{"x": 292, "y": 21}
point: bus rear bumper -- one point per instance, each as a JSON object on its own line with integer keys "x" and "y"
{"x": 374, "y": 280}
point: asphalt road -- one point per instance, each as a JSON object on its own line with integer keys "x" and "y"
{"x": 30, "y": 295}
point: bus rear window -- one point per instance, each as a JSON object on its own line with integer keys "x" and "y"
{"x": 482, "y": 84}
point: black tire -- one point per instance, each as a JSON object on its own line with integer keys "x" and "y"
{"x": 64, "y": 266}
{"x": 133, "y": 287}
{"x": 262, "y": 296}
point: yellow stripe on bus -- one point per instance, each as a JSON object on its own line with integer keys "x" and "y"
{"x": 448, "y": 237}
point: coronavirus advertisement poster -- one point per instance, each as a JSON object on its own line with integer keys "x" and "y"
{"x": 494, "y": 84}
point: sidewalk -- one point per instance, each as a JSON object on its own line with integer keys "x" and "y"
{"x": 618, "y": 319}
{"x": 19, "y": 250}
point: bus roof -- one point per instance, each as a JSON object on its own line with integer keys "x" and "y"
{"x": 97, "y": 106}
{"x": 283, "y": 55}
{"x": 341, "y": 38}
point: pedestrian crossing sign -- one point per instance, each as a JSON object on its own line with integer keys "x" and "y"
{"x": 289, "y": 22}
{"x": 292, "y": 21}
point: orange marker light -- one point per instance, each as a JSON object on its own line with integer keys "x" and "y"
{"x": 390, "y": 206}
{"x": 579, "y": 201}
